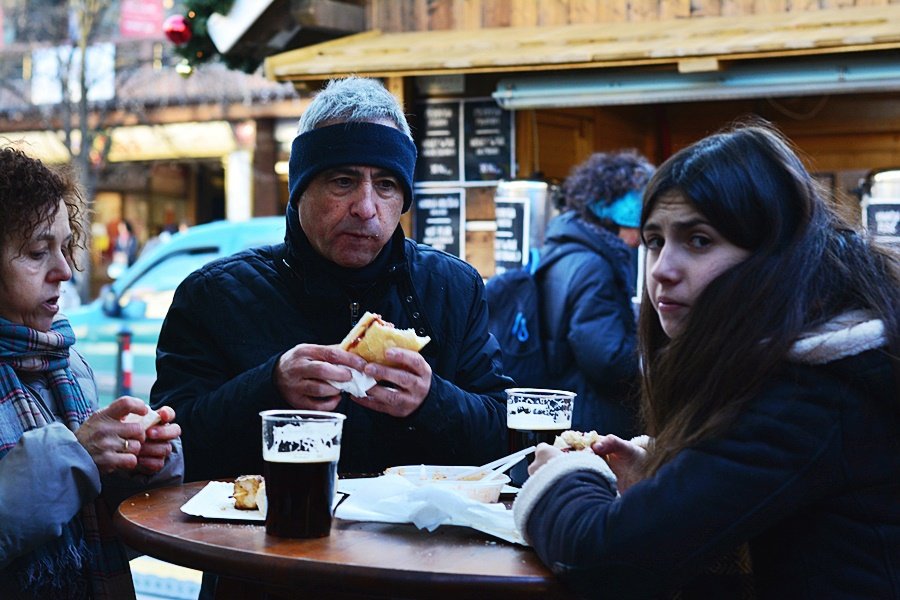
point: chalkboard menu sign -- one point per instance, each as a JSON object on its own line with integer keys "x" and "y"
{"x": 438, "y": 219}
{"x": 464, "y": 141}
{"x": 487, "y": 133}
{"x": 883, "y": 221}
{"x": 511, "y": 238}
{"x": 439, "y": 143}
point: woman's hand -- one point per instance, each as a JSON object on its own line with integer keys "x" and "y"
{"x": 115, "y": 445}
{"x": 110, "y": 442}
{"x": 542, "y": 455}
{"x": 624, "y": 458}
{"x": 158, "y": 443}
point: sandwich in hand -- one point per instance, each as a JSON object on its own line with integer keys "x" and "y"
{"x": 147, "y": 421}
{"x": 372, "y": 336}
{"x": 575, "y": 440}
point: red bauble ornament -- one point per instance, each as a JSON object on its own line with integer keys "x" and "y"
{"x": 177, "y": 30}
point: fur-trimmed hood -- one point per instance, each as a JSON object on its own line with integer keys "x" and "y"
{"x": 846, "y": 335}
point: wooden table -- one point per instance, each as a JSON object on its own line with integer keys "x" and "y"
{"x": 358, "y": 560}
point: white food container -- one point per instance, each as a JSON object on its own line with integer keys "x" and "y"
{"x": 474, "y": 486}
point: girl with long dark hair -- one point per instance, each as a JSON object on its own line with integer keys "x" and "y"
{"x": 770, "y": 342}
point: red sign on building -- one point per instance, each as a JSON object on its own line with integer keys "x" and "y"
{"x": 141, "y": 19}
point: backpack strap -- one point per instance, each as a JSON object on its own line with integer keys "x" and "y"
{"x": 534, "y": 260}
{"x": 539, "y": 260}
{"x": 555, "y": 363}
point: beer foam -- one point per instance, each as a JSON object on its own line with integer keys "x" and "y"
{"x": 301, "y": 457}
{"x": 313, "y": 441}
{"x": 538, "y": 422}
{"x": 539, "y": 411}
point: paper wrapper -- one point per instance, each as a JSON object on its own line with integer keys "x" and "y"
{"x": 358, "y": 385}
{"x": 393, "y": 499}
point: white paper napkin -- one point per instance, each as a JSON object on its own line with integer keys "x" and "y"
{"x": 393, "y": 499}
{"x": 358, "y": 384}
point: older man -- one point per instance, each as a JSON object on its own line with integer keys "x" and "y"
{"x": 259, "y": 330}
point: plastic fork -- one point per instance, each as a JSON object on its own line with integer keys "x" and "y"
{"x": 497, "y": 467}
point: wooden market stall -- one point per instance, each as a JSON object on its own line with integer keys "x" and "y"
{"x": 585, "y": 76}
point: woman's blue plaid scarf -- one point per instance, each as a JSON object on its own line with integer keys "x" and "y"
{"x": 87, "y": 560}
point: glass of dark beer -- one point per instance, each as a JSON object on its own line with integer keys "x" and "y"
{"x": 535, "y": 415}
{"x": 301, "y": 449}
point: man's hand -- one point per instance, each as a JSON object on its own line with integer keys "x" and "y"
{"x": 402, "y": 386}
{"x": 303, "y": 372}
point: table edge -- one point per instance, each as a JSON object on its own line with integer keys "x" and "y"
{"x": 279, "y": 570}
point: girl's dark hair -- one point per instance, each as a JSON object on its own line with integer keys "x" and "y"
{"x": 30, "y": 192}
{"x": 605, "y": 176}
{"x": 806, "y": 266}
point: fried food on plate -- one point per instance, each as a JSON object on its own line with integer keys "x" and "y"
{"x": 247, "y": 490}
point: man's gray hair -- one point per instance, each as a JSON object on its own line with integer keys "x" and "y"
{"x": 353, "y": 99}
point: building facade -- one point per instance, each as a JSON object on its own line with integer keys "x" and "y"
{"x": 579, "y": 76}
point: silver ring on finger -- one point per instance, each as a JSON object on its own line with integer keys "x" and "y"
{"x": 125, "y": 444}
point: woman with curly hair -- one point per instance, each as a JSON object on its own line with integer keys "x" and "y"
{"x": 586, "y": 289}
{"x": 770, "y": 340}
{"x": 64, "y": 463}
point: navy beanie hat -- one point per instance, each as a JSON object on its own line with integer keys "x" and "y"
{"x": 351, "y": 143}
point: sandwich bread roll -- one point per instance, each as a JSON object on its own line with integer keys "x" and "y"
{"x": 147, "y": 421}
{"x": 576, "y": 440}
{"x": 372, "y": 336}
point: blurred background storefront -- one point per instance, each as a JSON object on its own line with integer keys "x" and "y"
{"x": 163, "y": 177}
{"x": 167, "y": 147}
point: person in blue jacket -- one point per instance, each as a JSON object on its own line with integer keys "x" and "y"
{"x": 260, "y": 330}
{"x": 770, "y": 342}
{"x": 587, "y": 289}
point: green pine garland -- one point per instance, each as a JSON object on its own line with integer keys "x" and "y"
{"x": 200, "y": 48}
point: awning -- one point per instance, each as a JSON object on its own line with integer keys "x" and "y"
{"x": 841, "y": 74}
{"x": 211, "y": 139}
{"x": 684, "y": 45}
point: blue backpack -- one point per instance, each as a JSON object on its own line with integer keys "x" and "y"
{"x": 513, "y": 301}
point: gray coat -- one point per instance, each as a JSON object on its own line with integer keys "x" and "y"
{"x": 48, "y": 476}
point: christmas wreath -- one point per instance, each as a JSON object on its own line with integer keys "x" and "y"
{"x": 191, "y": 38}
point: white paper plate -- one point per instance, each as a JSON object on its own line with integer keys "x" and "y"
{"x": 215, "y": 502}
